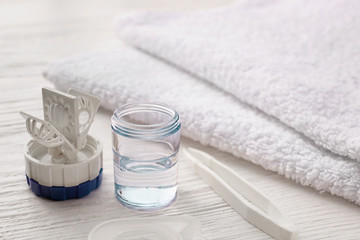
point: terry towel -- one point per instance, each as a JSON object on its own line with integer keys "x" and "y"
{"x": 210, "y": 116}
{"x": 283, "y": 106}
{"x": 298, "y": 61}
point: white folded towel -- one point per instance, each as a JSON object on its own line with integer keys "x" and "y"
{"x": 298, "y": 61}
{"x": 210, "y": 116}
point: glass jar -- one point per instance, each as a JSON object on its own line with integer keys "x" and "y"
{"x": 146, "y": 140}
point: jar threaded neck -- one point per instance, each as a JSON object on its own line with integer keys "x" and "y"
{"x": 145, "y": 120}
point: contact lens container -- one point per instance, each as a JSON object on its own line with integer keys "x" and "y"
{"x": 146, "y": 140}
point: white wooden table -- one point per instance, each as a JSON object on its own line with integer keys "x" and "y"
{"x": 33, "y": 33}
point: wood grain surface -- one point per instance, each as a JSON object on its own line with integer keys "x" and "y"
{"x": 34, "y": 33}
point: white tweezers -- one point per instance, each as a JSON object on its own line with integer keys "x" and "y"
{"x": 233, "y": 188}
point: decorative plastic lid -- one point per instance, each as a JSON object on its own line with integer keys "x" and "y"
{"x": 62, "y": 161}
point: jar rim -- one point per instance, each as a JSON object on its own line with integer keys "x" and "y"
{"x": 137, "y": 130}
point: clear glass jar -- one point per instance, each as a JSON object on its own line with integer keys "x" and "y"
{"x": 146, "y": 140}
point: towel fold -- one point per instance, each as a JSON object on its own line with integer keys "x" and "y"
{"x": 210, "y": 116}
{"x": 298, "y": 61}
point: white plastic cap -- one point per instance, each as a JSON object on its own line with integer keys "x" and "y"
{"x": 154, "y": 228}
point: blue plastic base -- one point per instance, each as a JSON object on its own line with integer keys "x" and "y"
{"x": 64, "y": 193}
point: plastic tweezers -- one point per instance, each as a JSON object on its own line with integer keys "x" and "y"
{"x": 252, "y": 205}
